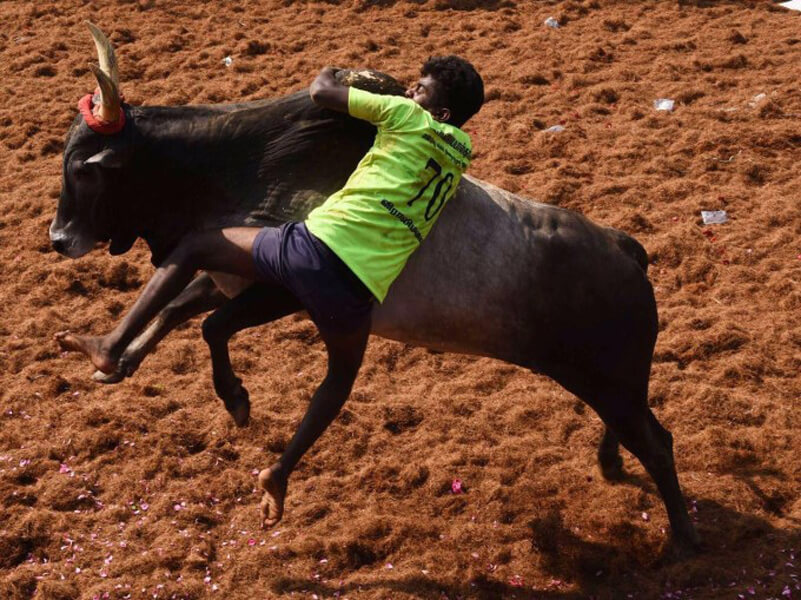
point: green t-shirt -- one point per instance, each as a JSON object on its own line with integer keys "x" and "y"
{"x": 392, "y": 199}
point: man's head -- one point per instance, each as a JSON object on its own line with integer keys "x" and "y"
{"x": 449, "y": 88}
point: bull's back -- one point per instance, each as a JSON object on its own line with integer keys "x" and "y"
{"x": 510, "y": 278}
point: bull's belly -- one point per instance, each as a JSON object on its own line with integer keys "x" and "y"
{"x": 444, "y": 323}
{"x": 412, "y": 321}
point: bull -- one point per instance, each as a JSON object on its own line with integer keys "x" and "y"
{"x": 500, "y": 276}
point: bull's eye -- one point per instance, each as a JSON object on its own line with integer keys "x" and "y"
{"x": 84, "y": 177}
{"x": 83, "y": 169}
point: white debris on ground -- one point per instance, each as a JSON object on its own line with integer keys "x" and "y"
{"x": 714, "y": 217}
{"x": 665, "y": 104}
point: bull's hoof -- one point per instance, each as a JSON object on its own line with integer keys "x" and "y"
{"x": 126, "y": 367}
{"x": 240, "y": 413}
{"x": 237, "y": 403}
{"x": 611, "y": 467}
{"x": 115, "y": 377}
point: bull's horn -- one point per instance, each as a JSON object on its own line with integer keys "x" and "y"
{"x": 109, "y": 96}
{"x": 105, "y": 54}
{"x": 107, "y": 75}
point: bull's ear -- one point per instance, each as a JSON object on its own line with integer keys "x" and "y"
{"x": 106, "y": 158}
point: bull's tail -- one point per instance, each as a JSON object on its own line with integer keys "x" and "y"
{"x": 631, "y": 247}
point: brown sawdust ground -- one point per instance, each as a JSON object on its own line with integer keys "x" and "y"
{"x": 375, "y": 491}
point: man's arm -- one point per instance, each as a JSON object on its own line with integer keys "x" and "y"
{"x": 327, "y": 92}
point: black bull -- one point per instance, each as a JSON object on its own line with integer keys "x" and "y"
{"x": 500, "y": 275}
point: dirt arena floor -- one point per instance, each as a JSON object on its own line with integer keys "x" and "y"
{"x": 145, "y": 489}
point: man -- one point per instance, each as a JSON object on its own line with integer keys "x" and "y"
{"x": 346, "y": 254}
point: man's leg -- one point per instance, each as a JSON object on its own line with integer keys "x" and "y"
{"x": 227, "y": 250}
{"x": 345, "y": 352}
{"x": 259, "y": 304}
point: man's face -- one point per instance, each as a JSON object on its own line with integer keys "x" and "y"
{"x": 426, "y": 92}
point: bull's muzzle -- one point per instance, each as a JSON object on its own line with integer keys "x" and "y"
{"x": 68, "y": 244}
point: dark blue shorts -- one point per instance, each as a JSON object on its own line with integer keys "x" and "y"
{"x": 290, "y": 256}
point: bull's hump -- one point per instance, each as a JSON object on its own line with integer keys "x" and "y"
{"x": 371, "y": 81}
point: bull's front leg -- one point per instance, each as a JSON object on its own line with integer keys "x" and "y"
{"x": 201, "y": 295}
{"x": 229, "y": 250}
{"x": 259, "y": 304}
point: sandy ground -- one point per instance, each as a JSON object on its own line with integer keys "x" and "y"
{"x": 146, "y": 490}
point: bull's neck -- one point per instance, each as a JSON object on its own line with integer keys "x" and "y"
{"x": 259, "y": 163}
{"x": 182, "y": 146}
{"x": 194, "y": 167}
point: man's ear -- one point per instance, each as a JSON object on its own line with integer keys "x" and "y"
{"x": 106, "y": 158}
{"x": 443, "y": 115}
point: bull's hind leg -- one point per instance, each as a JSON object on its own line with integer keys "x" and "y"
{"x": 259, "y": 304}
{"x": 639, "y": 431}
{"x": 201, "y": 295}
{"x": 624, "y": 410}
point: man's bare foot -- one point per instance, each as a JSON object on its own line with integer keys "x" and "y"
{"x": 96, "y": 348}
{"x": 273, "y": 482}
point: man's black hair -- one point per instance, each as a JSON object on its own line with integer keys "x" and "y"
{"x": 461, "y": 86}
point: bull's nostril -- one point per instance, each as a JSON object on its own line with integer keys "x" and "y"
{"x": 58, "y": 240}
